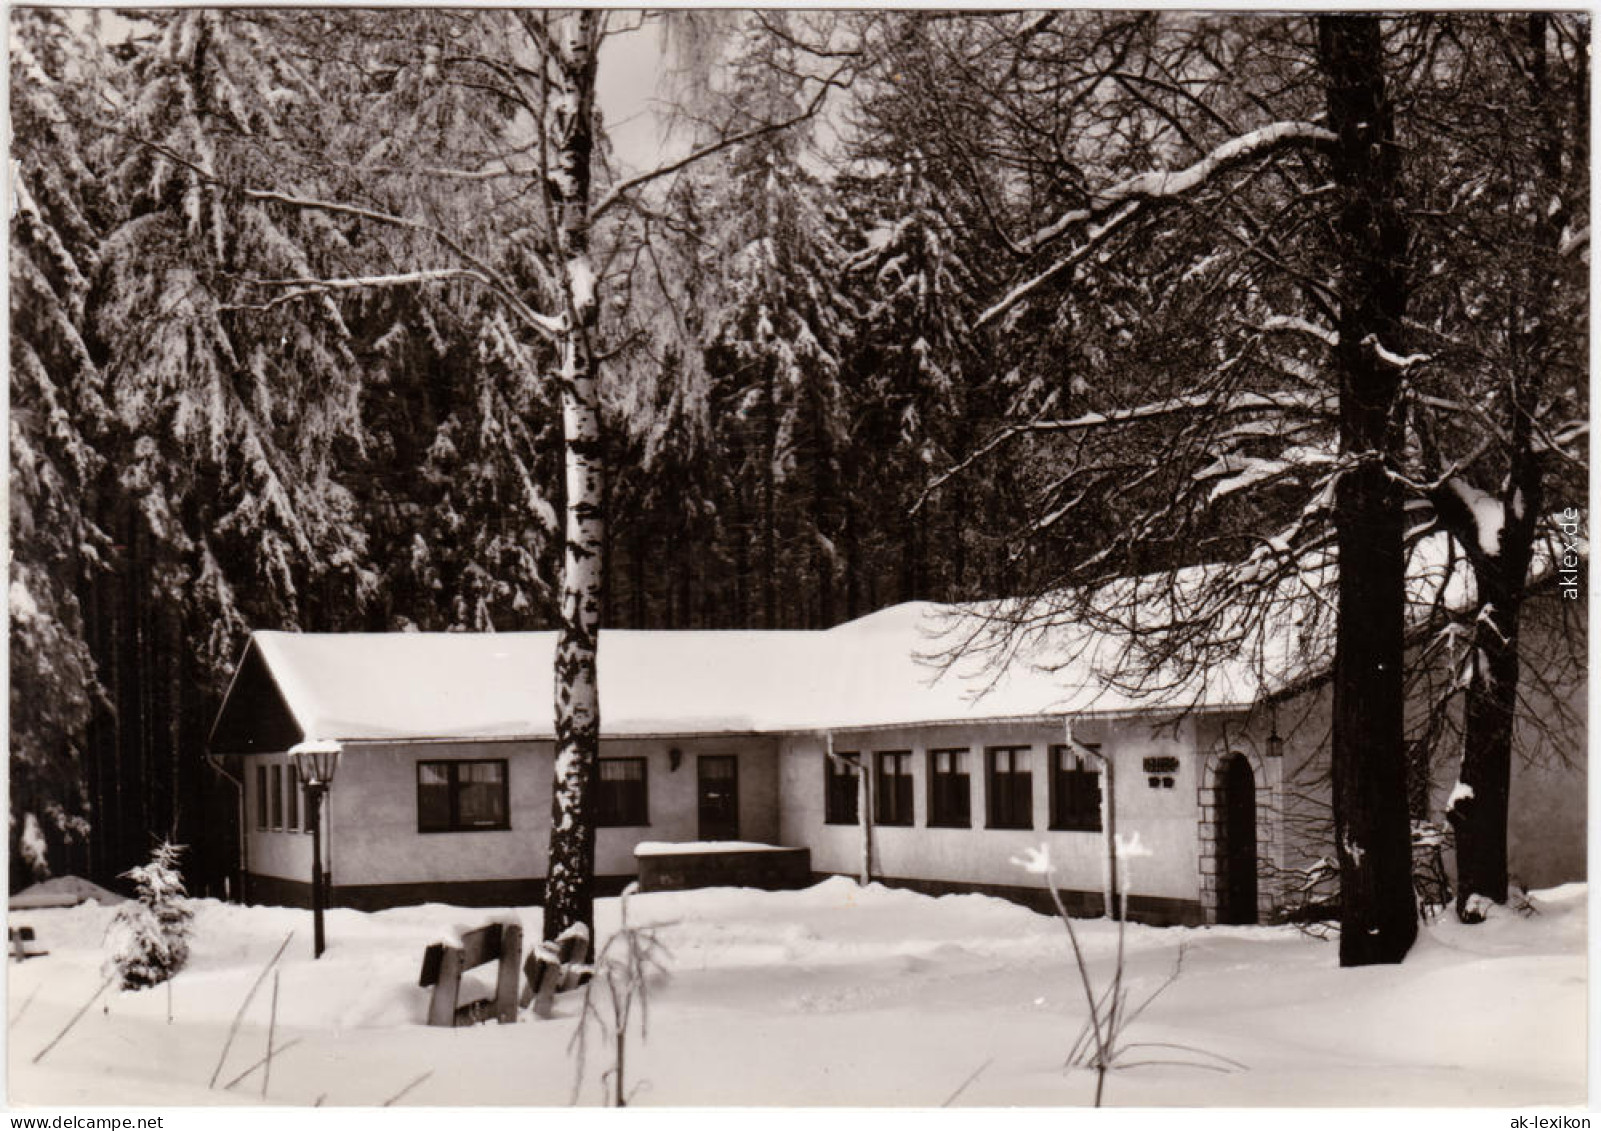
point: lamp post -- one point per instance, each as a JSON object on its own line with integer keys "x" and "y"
{"x": 315, "y": 762}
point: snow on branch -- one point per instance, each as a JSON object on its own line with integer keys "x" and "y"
{"x": 1484, "y": 512}
{"x": 1096, "y": 237}
{"x": 1293, "y": 403}
{"x": 1166, "y": 184}
{"x": 544, "y": 324}
{"x": 1290, "y": 404}
{"x": 1287, "y": 323}
{"x": 1126, "y": 199}
{"x": 1569, "y": 441}
{"x": 1391, "y": 358}
{"x": 302, "y": 287}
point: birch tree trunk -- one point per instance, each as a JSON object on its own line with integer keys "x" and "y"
{"x": 1378, "y": 915}
{"x": 569, "y": 884}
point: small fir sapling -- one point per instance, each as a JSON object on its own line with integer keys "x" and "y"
{"x": 150, "y": 934}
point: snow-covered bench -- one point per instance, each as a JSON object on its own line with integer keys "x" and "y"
{"x": 23, "y": 946}
{"x": 443, "y": 964}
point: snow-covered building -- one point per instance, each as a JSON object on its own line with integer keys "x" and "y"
{"x": 443, "y": 792}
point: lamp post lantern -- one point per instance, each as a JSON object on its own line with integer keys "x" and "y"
{"x": 315, "y": 762}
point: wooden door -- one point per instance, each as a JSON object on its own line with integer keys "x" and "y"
{"x": 1236, "y": 843}
{"x": 718, "y": 780}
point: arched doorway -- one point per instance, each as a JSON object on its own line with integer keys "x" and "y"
{"x": 1236, "y": 842}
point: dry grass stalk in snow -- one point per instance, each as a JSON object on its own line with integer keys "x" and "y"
{"x": 233, "y": 1030}
{"x": 622, "y": 973}
{"x": 76, "y": 1017}
{"x": 1100, "y": 1044}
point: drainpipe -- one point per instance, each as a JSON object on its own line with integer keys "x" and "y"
{"x": 328, "y": 848}
{"x": 244, "y": 838}
{"x": 1109, "y": 890}
{"x": 864, "y": 810}
{"x": 864, "y": 807}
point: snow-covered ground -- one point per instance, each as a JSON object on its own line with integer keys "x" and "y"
{"x": 834, "y": 995}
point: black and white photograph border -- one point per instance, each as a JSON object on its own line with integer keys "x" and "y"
{"x": 884, "y": 558}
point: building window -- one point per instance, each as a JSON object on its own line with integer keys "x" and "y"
{"x": 462, "y": 796}
{"x": 291, "y": 800}
{"x": 277, "y": 797}
{"x": 261, "y": 797}
{"x": 1011, "y": 787}
{"x": 623, "y": 796}
{"x": 1075, "y": 790}
{"x": 892, "y": 788}
{"x": 839, "y": 798}
{"x": 949, "y": 794}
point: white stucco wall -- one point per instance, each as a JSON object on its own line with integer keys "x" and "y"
{"x": 372, "y": 818}
{"x": 1165, "y": 819}
{"x": 1548, "y": 814}
{"x": 274, "y": 852}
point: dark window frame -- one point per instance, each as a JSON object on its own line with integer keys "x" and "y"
{"x": 605, "y": 819}
{"x": 453, "y": 785}
{"x": 834, "y": 791}
{"x": 950, "y": 807}
{"x": 1004, "y": 799}
{"x": 292, "y": 806}
{"x": 1072, "y": 809}
{"x": 261, "y": 798}
{"x": 276, "y": 797}
{"x": 892, "y": 793}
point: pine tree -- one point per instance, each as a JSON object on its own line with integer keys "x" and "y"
{"x": 223, "y": 412}
{"x": 150, "y": 933}
{"x": 57, "y": 418}
{"x": 231, "y": 407}
{"x": 775, "y": 340}
{"x": 917, "y": 386}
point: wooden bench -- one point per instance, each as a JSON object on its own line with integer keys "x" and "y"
{"x": 556, "y": 966}
{"x": 443, "y": 966}
{"x": 22, "y": 944}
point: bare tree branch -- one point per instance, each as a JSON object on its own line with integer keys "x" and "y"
{"x": 1125, "y": 200}
{"x": 1211, "y": 404}
{"x": 543, "y": 324}
{"x": 306, "y": 287}
{"x": 622, "y": 189}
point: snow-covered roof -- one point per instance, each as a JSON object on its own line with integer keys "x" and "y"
{"x": 881, "y": 670}
{"x": 890, "y": 668}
